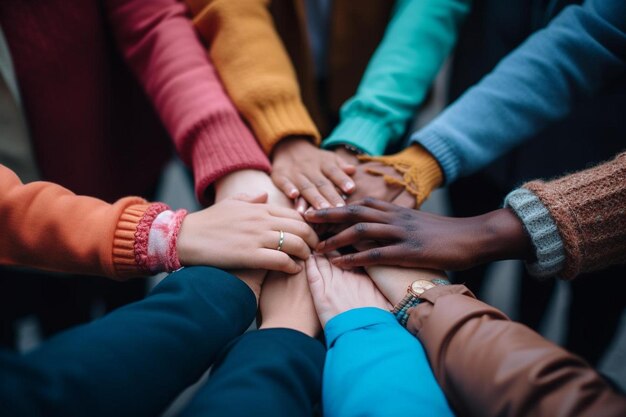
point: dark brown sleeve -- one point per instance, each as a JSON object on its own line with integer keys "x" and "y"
{"x": 488, "y": 365}
{"x": 589, "y": 208}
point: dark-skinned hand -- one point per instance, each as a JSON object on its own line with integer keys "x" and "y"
{"x": 300, "y": 169}
{"x": 374, "y": 186}
{"x": 394, "y": 235}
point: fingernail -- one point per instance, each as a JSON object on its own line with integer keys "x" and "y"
{"x": 341, "y": 204}
{"x": 324, "y": 205}
{"x": 320, "y": 246}
{"x": 308, "y": 211}
{"x": 349, "y": 186}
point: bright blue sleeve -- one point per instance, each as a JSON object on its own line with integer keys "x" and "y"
{"x": 374, "y": 367}
{"x": 582, "y": 51}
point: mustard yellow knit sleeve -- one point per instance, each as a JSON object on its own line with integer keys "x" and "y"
{"x": 420, "y": 171}
{"x": 254, "y": 67}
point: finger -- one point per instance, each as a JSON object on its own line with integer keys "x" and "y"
{"x": 291, "y": 244}
{"x": 301, "y": 205}
{"x": 390, "y": 255}
{"x": 314, "y": 277}
{"x": 298, "y": 228}
{"x": 339, "y": 178}
{"x": 345, "y": 166}
{"x": 348, "y": 214}
{"x": 283, "y": 212}
{"x": 330, "y": 192}
{"x": 325, "y": 268}
{"x": 312, "y": 195}
{"x": 406, "y": 200}
{"x": 259, "y": 198}
{"x": 358, "y": 233}
{"x": 286, "y": 186}
{"x": 273, "y": 260}
{"x": 377, "y": 204}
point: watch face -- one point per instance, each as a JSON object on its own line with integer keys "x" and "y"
{"x": 418, "y": 287}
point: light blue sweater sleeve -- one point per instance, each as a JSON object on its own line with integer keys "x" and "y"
{"x": 580, "y": 52}
{"x": 374, "y": 367}
{"x": 419, "y": 37}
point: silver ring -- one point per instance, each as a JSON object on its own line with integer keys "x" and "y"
{"x": 281, "y": 240}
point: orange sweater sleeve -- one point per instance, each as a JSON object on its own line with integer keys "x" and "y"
{"x": 48, "y": 227}
{"x": 255, "y": 68}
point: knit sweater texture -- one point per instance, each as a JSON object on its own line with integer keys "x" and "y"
{"x": 48, "y": 227}
{"x": 87, "y": 114}
{"x": 576, "y": 223}
{"x": 262, "y": 81}
{"x": 419, "y": 38}
{"x": 579, "y": 53}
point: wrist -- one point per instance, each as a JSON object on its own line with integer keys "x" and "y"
{"x": 290, "y": 141}
{"x": 502, "y": 236}
{"x": 309, "y": 328}
{"x": 393, "y": 281}
{"x": 162, "y": 251}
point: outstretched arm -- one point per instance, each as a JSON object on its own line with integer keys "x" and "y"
{"x": 420, "y": 36}
{"x": 136, "y": 360}
{"x": 160, "y": 45}
{"x": 580, "y": 52}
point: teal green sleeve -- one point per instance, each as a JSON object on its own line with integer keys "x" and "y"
{"x": 419, "y": 38}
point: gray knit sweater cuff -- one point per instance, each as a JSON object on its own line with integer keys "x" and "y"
{"x": 548, "y": 245}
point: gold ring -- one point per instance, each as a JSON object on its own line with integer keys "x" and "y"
{"x": 281, "y": 240}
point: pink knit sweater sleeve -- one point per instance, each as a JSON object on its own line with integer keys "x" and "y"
{"x": 160, "y": 45}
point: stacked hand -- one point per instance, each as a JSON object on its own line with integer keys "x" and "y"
{"x": 243, "y": 232}
{"x": 300, "y": 169}
{"x": 335, "y": 290}
{"x": 411, "y": 238}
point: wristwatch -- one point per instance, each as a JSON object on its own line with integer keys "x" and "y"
{"x": 412, "y": 297}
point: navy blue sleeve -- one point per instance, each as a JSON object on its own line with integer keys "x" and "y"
{"x": 582, "y": 51}
{"x": 134, "y": 361}
{"x": 264, "y": 373}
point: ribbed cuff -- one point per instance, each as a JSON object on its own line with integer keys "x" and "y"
{"x": 445, "y": 154}
{"x": 420, "y": 172}
{"x": 543, "y": 232}
{"x": 131, "y": 235}
{"x": 368, "y": 134}
{"x": 219, "y": 146}
{"x": 279, "y": 119}
{"x": 354, "y": 319}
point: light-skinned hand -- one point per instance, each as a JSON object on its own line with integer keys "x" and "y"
{"x": 336, "y": 290}
{"x": 243, "y": 232}
{"x": 286, "y": 303}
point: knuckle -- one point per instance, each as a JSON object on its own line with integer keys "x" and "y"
{"x": 354, "y": 210}
{"x": 375, "y": 255}
{"x": 322, "y": 213}
{"x": 361, "y": 228}
{"x": 323, "y": 184}
{"x": 369, "y": 200}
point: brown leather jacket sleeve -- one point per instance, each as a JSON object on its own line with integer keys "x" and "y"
{"x": 488, "y": 365}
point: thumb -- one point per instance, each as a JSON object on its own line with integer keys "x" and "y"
{"x": 314, "y": 277}
{"x": 259, "y": 198}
